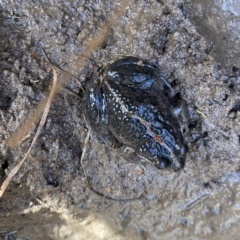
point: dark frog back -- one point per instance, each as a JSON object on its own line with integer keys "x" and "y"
{"x": 138, "y": 114}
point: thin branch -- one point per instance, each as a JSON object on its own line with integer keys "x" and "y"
{"x": 59, "y": 68}
{"x": 41, "y": 124}
{"x": 87, "y": 180}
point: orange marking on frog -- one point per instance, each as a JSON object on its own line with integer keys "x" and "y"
{"x": 157, "y": 138}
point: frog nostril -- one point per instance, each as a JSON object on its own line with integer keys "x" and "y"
{"x": 163, "y": 163}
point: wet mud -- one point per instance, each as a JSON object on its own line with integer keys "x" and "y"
{"x": 49, "y": 198}
{"x": 218, "y": 22}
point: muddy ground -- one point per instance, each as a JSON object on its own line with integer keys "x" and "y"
{"x": 49, "y": 198}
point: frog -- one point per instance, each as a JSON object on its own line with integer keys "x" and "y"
{"x": 127, "y": 106}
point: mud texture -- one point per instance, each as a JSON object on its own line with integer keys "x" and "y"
{"x": 49, "y": 198}
{"x": 218, "y": 22}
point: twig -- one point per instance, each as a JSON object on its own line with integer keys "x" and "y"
{"x": 65, "y": 90}
{"x": 196, "y": 201}
{"x": 41, "y": 124}
{"x": 59, "y": 68}
{"x": 87, "y": 180}
{"x": 201, "y": 113}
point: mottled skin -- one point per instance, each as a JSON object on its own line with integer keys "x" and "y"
{"x": 128, "y": 106}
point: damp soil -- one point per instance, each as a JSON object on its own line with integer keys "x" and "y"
{"x": 49, "y": 198}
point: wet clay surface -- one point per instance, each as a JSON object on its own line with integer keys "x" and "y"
{"x": 49, "y": 198}
{"x": 218, "y": 22}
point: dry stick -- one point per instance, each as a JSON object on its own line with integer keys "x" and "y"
{"x": 41, "y": 124}
{"x": 87, "y": 180}
{"x": 21, "y": 132}
{"x": 93, "y": 44}
{"x": 64, "y": 71}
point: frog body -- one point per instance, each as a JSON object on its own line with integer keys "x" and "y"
{"x": 128, "y": 107}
